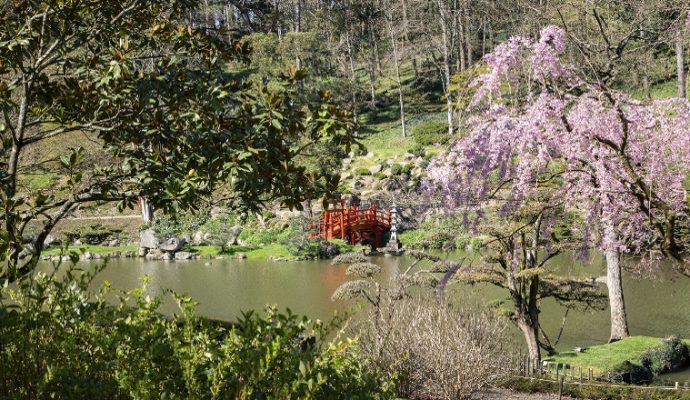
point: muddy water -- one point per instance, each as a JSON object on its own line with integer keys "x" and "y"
{"x": 224, "y": 288}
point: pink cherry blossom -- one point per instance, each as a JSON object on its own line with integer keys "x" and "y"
{"x": 619, "y": 162}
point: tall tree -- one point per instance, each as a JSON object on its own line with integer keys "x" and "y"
{"x": 167, "y": 104}
{"x": 543, "y": 123}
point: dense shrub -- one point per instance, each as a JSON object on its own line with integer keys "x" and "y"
{"x": 60, "y": 341}
{"x": 362, "y": 172}
{"x": 438, "y": 350}
{"x": 672, "y": 355}
{"x": 443, "y": 232}
{"x": 431, "y": 132}
{"x": 91, "y": 234}
{"x": 418, "y": 150}
{"x": 628, "y": 372}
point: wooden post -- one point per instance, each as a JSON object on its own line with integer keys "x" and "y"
{"x": 558, "y": 370}
{"x": 342, "y": 223}
{"x": 560, "y": 387}
{"x": 572, "y": 373}
{"x": 589, "y": 377}
{"x": 580, "y": 368}
{"x": 677, "y": 386}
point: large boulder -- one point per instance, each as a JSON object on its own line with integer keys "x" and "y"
{"x": 184, "y": 255}
{"x": 172, "y": 245}
{"x": 198, "y": 238}
{"x": 376, "y": 169}
{"x": 234, "y": 235}
{"x": 50, "y": 240}
{"x": 147, "y": 239}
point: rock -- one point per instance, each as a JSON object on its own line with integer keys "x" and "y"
{"x": 390, "y": 185}
{"x": 143, "y": 251}
{"x": 115, "y": 254}
{"x": 216, "y": 212}
{"x": 147, "y": 239}
{"x": 86, "y": 256}
{"x": 345, "y": 176}
{"x": 198, "y": 239}
{"x": 240, "y": 256}
{"x": 154, "y": 254}
{"x": 128, "y": 254}
{"x": 347, "y": 161}
{"x": 408, "y": 156}
{"x": 370, "y": 154}
{"x": 114, "y": 243}
{"x": 171, "y": 245}
{"x": 233, "y": 235}
{"x": 97, "y": 256}
{"x": 418, "y": 161}
{"x": 167, "y": 256}
{"x": 277, "y": 259}
{"x": 358, "y": 184}
{"x": 349, "y": 199}
{"x": 329, "y": 250}
{"x": 77, "y": 243}
{"x": 376, "y": 169}
{"x": 50, "y": 240}
{"x": 184, "y": 255}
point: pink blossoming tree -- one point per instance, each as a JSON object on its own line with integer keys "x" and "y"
{"x": 543, "y": 133}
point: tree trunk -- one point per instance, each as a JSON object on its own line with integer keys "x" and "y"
{"x": 146, "y": 210}
{"x": 680, "y": 65}
{"x": 446, "y": 62}
{"x": 614, "y": 282}
{"x": 372, "y": 64}
{"x": 531, "y": 333}
{"x": 396, "y": 61}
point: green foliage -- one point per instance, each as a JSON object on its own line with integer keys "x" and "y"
{"x": 431, "y": 132}
{"x": 442, "y": 232}
{"x": 396, "y": 169}
{"x": 607, "y": 357}
{"x": 418, "y": 150}
{"x": 174, "y": 129}
{"x": 61, "y": 341}
{"x": 362, "y": 172}
{"x": 672, "y": 355}
{"x": 91, "y": 234}
{"x": 599, "y": 391}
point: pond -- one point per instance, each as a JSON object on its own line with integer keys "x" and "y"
{"x": 657, "y": 306}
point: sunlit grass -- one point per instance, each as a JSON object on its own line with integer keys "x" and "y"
{"x": 607, "y": 357}
{"x": 93, "y": 249}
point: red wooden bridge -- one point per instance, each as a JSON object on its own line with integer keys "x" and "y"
{"x": 352, "y": 224}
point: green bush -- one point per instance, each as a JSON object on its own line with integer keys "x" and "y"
{"x": 418, "y": 150}
{"x": 91, "y": 234}
{"x": 396, "y": 169}
{"x": 430, "y": 132}
{"x": 61, "y": 341}
{"x": 672, "y": 355}
{"x": 602, "y": 392}
{"x": 362, "y": 172}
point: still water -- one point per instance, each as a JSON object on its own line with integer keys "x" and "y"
{"x": 657, "y": 305}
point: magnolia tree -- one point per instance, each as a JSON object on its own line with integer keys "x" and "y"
{"x": 544, "y": 134}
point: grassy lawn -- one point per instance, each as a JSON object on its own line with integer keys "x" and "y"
{"x": 261, "y": 253}
{"x": 605, "y": 357}
{"x": 93, "y": 249}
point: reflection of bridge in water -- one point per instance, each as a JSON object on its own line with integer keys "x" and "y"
{"x": 365, "y": 225}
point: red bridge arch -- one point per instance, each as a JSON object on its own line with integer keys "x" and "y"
{"x": 353, "y": 224}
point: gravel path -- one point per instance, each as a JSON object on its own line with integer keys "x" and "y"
{"x": 505, "y": 394}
